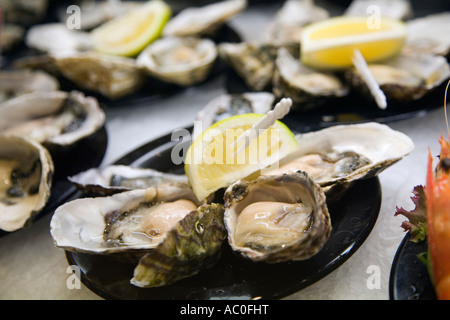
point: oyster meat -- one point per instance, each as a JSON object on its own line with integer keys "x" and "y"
{"x": 405, "y": 78}
{"x": 112, "y": 76}
{"x": 229, "y": 105}
{"x": 205, "y": 20}
{"x": 307, "y": 87}
{"x": 134, "y": 221}
{"x": 335, "y": 157}
{"x": 182, "y": 61}
{"x": 26, "y": 176}
{"x": 277, "y": 218}
{"x": 17, "y": 82}
{"x": 118, "y": 178}
{"x": 55, "y": 119}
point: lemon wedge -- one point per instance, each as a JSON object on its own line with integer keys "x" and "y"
{"x": 212, "y": 163}
{"x": 128, "y": 34}
{"x": 329, "y": 44}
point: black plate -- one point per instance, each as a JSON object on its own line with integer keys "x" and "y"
{"x": 85, "y": 154}
{"x": 409, "y": 279}
{"x": 234, "y": 277}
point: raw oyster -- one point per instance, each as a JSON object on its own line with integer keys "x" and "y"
{"x": 277, "y": 218}
{"x": 58, "y": 39}
{"x": 192, "y": 245}
{"x": 307, "y": 87}
{"x": 111, "y": 76}
{"x": 11, "y": 36}
{"x": 405, "y": 78}
{"x": 290, "y": 20}
{"x": 228, "y": 105}
{"x": 253, "y": 61}
{"x": 17, "y": 82}
{"x": 24, "y": 12}
{"x": 26, "y": 176}
{"x": 55, "y": 119}
{"x": 183, "y": 61}
{"x": 429, "y": 34}
{"x": 118, "y": 178}
{"x": 397, "y": 9}
{"x": 335, "y": 157}
{"x": 133, "y": 221}
{"x": 205, "y": 20}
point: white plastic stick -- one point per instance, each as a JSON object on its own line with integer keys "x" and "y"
{"x": 281, "y": 109}
{"x": 361, "y": 65}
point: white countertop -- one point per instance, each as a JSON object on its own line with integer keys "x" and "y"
{"x": 31, "y": 267}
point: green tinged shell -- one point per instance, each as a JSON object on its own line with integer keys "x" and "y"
{"x": 191, "y": 246}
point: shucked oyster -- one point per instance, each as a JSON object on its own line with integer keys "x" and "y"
{"x": 406, "y": 78}
{"x": 205, "y": 20}
{"x": 134, "y": 221}
{"x": 183, "y": 61}
{"x": 26, "y": 172}
{"x": 229, "y": 105}
{"x": 307, "y": 87}
{"x": 53, "y": 118}
{"x": 337, "y": 156}
{"x": 277, "y": 218}
{"x": 118, "y": 178}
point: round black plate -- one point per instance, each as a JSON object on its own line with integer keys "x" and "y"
{"x": 409, "y": 279}
{"x": 85, "y": 154}
{"x": 234, "y": 277}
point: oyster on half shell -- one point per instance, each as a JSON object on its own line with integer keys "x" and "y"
{"x": 129, "y": 223}
{"x": 335, "y": 157}
{"x": 183, "y": 61}
{"x": 26, "y": 176}
{"x": 277, "y": 218}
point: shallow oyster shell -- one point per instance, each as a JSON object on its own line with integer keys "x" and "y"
{"x": 56, "y": 119}
{"x": 308, "y": 88}
{"x": 108, "y": 225}
{"x": 111, "y": 76}
{"x": 118, "y": 178}
{"x": 405, "y": 78}
{"x": 361, "y": 151}
{"x": 26, "y": 177}
{"x": 204, "y": 20}
{"x": 184, "y": 61}
{"x": 277, "y": 236}
{"x": 191, "y": 246}
{"x": 228, "y": 105}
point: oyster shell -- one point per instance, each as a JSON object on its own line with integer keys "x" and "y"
{"x": 55, "y": 119}
{"x": 24, "y": 12}
{"x": 405, "y": 78}
{"x": 289, "y": 21}
{"x": 205, "y": 20}
{"x": 26, "y": 176}
{"x": 11, "y": 36}
{"x": 228, "y": 105}
{"x": 277, "y": 218}
{"x": 118, "y": 178}
{"x": 130, "y": 222}
{"x": 111, "y": 76}
{"x": 307, "y": 87}
{"x": 183, "y": 61}
{"x": 192, "y": 245}
{"x": 337, "y": 156}
{"x": 17, "y": 82}
{"x": 253, "y": 61}
{"x": 398, "y": 9}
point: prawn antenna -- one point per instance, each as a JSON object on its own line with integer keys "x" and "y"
{"x": 445, "y": 106}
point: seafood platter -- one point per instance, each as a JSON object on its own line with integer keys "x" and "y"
{"x": 149, "y": 227}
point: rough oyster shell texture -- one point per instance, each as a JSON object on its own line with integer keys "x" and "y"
{"x": 293, "y": 234}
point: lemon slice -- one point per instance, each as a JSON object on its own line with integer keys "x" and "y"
{"x": 129, "y": 34}
{"x": 329, "y": 44}
{"x": 212, "y": 163}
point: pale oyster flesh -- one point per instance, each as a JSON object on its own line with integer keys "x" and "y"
{"x": 277, "y": 218}
{"x": 26, "y": 176}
